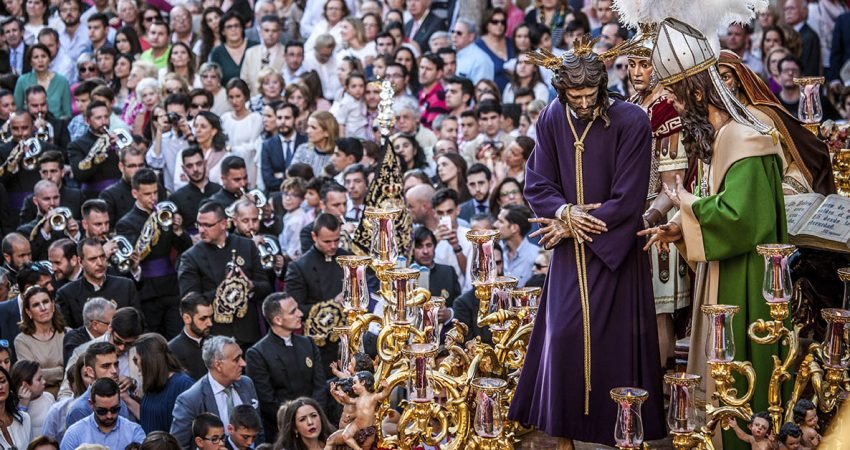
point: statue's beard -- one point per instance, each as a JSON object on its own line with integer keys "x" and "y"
{"x": 697, "y": 133}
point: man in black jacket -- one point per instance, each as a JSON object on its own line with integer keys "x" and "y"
{"x": 159, "y": 293}
{"x": 315, "y": 282}
{"x": 57, "y": 127}
{"x": 189, "y": 197}
{"x": 119, "y": 196}
{"x": 283, "y": 365}
{"x": 51, "y": 167}
{"x": 41, "y": 233}
{"x": 94, "y": 178}
{"x": 796, "y": 13}
{"x": 204, "y": 267}
{"x": 94, "y": 283}
{"x": 197, "y": 315}
{"x": 234, "y": 179}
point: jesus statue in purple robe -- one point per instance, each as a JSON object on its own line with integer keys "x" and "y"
{"x": 595, "y": 330}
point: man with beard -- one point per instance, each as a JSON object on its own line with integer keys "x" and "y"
{"x": 741, "y": 202}
{"x": 20, "y": 181}
{"x": 119, "y": 196}
{"x": 189, "y": 197}
{"x": 72, "y": 37}
{"x": 62, "y": 255}
{"x": 16, "y": 253}
{"x": 98, "y": 176}
{"x": 159, "y": 294}
{"x": 57, "y": 127}
{"x": 587, "y": 181}
{"x": 197, "y": 314}
{"x": 806, "y": 162}
{"x": 51, "y": 167}
{"x": 104, "y": 426}
{"x": 234, "y": 181}
{"x": 95, "y": 282}
{"x": 277, "y": 151}
{"x": 246, "y": 221}
{"x": 669, "y": 275}
{"x": 204, "y": 267}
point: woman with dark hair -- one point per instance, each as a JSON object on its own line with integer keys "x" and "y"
{"x": 41, "y": 336}
{"x": 527, "y": 75}
{"x": 56, "y": 85}
{"x": 181, "y": 61}
{"x": 314, "y": 83}
{"x": 36, "y": 14}
{"x": 487, "y": 89}
{"x": 163, "y": 380}
{"x": 521, "y": 39}
{"x": 405, "y": 56}
{"x": 105, "y": 57}
{"x": 14, "y": 424}
{"x": 372, "y": 25}
{"x": 28, "y": 382}
{"x": 127, "y": 42}
{"x": 160, "y": 440}
{"x": 496, "y": 44}
{"x": 210, "y": 37}
{"x": 412, "y": 155}
{"x": 506, "y": 192}
{"x": 12, "y": 8}
{"x": 771, "y": 37}
{"x": 334, "y": 12}
{"x": 242, "y": 126}
{"x": 451, "y": 173}
{"x": 515, "y": 157}
{"x": 212, "y": 141}
{"x": 230, "y": 54}
{"x": 123, "y": 66}
{"x": 149, "y": 15}
{"x": 302, "y": 425}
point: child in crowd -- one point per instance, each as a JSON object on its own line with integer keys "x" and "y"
{"x": 350, "y": 110}
{"x": 244, "y": 427}
{"x": 208, "y": 432}
{"x": 294, "y": 219}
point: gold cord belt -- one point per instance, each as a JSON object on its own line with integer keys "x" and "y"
{"x": 581, "y": 262}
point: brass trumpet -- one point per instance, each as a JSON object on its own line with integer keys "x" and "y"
{"x": 33, "y": 150}
{"x": 5, "y": 134}
{"x": 11, "y": 164}
{"x": 121, "y": 257}
{"x": 45, "y": 131}
{"x": 255, "y": 196}
{"x": 99, "y": 151}
{"x": 57, "y": 218}
{"x": 164, "y": 213}
{"x": 268, "y": 250}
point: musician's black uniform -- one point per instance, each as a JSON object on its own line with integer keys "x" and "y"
{"x": 20, "y": 184}
{"x": 188, "y": 200}
{"x": 202, "y": 268}
{"x": 119, "y": 199}
{"x": 99, "y": 176}
{"x": 159, "y": 294}
{"x": 71, "y": 198}
{"x": 71, "y": 297}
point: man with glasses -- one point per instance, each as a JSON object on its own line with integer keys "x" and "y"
{"x": 97, "y": 314}
{"x": 199, "y": 188}
{"x": 126, "y": 326}
{"x": 181, "y": 26}
{"x": 104, "y": 426}
{"x": 208, "y": 432}
{"x": 472, "y": 62}
{"x": 294, "y": 61}
{"x": 199, "y": 100}
{"x": 95, "y": 282}
{"x": 204, "y": 266}
{"x": 51, "y": 168}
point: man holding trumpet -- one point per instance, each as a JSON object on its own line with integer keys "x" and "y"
{"x": 52, "y": 221}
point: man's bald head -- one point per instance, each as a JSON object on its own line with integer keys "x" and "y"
{"x": 419, "y": 203}
{"x": 44, "y": 186}
{"x": 420, "y": 193}
{"x": 16, "y": 250}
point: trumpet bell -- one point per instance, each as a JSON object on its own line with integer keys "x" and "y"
{"x": 59, "y": 218}
{"x": 268, "y": 249}
{"x": 165, "y": 214}
{"x": 32, "y": 151}
{"x": 121, "y": 257}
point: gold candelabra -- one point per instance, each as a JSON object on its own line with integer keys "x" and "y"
{"x": 462, "y": 402}
{"x": 824, "y": 366}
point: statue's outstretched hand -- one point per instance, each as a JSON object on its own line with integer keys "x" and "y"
{"x": 663, "y": 235}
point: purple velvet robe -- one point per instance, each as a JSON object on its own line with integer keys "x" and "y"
{"x": 624, "y": 340}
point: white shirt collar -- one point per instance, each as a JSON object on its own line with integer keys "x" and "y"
{"x": 217, "y": 388}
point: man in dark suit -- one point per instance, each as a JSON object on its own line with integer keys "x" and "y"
{"x": 423, "y": 24}
{"x": 220, "y": 391}
{"x": 839, "y": 53}
{"x": 466, "y": 306}
{"x": 203, "y": 267}
{"x": 14, "y": 59}
{"x": 51, "y": 167}
{"x": 62, "y": 254}
{"x": 315, "y": 282}
{"x": 119, "y": 196}
{"x": 159, "y": 294}
{"x": 283, "y": 365}
{"x": 796, "y": 14}
{"x": 57, "y": 127}
{"x": 40, "y": 231}
{"x": 478, "y": 178}
{"x": 278, "y": 151}
{"x": 197, "y": 315}
{"x": 16, "y": 254}
{"x": 333, "y": 198}
{"x": 97, "y": 314}
{"x": 442, "y": 279}
{"x": 94, "y": 283}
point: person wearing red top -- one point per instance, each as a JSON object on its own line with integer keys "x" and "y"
{"x": 432, "y": 96}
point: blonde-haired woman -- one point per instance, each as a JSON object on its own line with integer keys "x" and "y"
{"x": 133, "y": 105}
{"x": 354, "y": 42}
{"x": 270, "y": 87}
{"x": 322, "y": 132}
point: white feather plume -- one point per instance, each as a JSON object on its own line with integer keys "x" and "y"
{"x": 708, "y": 16}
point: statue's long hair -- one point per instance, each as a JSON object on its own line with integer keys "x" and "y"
{"x": 697, "y": 132}
{"x": 583, "y": 71}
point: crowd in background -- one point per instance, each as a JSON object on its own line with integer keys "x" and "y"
{"x": 223, "y": 99}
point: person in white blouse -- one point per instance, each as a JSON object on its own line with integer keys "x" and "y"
{"x": 14, "y": 424}
{"x": 334, "y": 12}
{"x": 525, "y": 74}
{"x": 242, "y": 127}
{"x": 354, "y": 43}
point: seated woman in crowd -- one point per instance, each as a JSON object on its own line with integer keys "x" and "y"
{"x": 270, "y": 85}
{"x": 28, "y": 382}
{"x": 56, "y": 85}
{"x": 302, "y": 425}
{"x": 15, "y": 428}
{"x": 322, "y": 132}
